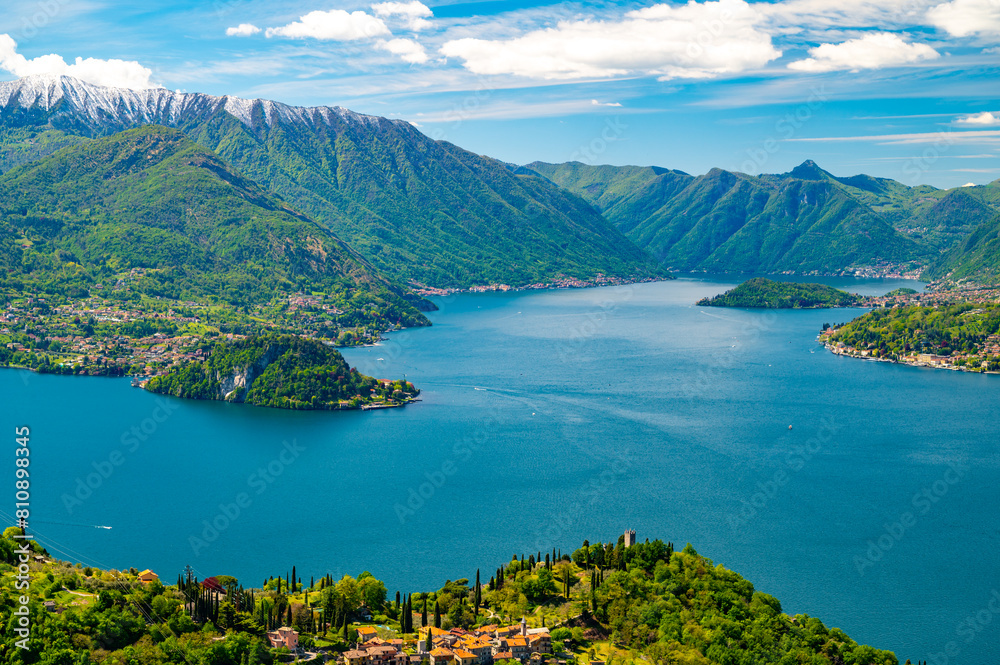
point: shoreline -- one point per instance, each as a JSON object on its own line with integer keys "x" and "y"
{"x": 854, "y": 354}
{"x": 569, "y": 283}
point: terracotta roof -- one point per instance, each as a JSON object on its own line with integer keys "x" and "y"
{"x": 439, "y": 652}
{"x": 464, "y": 654}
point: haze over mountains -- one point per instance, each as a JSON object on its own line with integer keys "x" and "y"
{"x": 416, "y": 210}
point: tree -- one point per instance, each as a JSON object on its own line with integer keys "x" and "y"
{"x": 423, "y": 614}
{"x": 437, "y": 614}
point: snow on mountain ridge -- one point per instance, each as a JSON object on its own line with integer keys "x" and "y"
{"x": 131, "y": 107}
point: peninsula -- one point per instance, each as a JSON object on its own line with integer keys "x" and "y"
{"x": 283, "y": 371}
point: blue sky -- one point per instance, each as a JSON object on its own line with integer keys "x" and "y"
{"x": 906, "y": 89}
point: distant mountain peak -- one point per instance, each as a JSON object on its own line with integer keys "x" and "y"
{"x": 810, "y": 170}
{"x": 72, "y": 99}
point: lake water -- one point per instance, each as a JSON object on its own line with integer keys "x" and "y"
{"x": 547, "y": 418}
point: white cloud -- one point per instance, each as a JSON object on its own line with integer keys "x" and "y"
{"x": 935, "y": 138}
{"x": 414, "y": 13}
{"x": 115, "y": 73}
{"x": 969, "y": 184}
{"x": 984, "y": 119}
{"x": 594, "y": 102}
{"x": 962, "y": 18}
{"x": 407, "y": 49}
{"x": 242, "y": 30}
{"x": 873, "y": 51}
{"x": 797, "y": 16}
{"x": 696, "y": 40}
{"x": 336, "y": 25}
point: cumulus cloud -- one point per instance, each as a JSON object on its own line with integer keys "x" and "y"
{"x": 415, "y": 13}
{"x": 407, "y": 49}
{"x": 336, "y": 25}
{"x": 696, "y": 40}
{"x": 594, "y": 102}
{"x": 873, "y": 51}
{"x": 984, "y": 119}
{"x": 963, "y": 18}
{"x": 115, "y": 73}
{"x": 242, "y": 30}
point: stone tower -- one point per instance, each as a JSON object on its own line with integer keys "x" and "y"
{"x": 629, "y": 537}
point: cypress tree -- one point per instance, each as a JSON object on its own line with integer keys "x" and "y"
{"x": 397, "y": 602}
{"x": 423, "y": 615}
{"x": 437, "y": 615}
{"x": 345, "y": 626}
{"x": 311, "y": 582}
{"x": 294, "y": 580}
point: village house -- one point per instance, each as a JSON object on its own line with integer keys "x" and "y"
{"x": 148, "y": 576}
{"x": 284, "y": 637}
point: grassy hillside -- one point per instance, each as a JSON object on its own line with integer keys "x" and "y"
{"x": 151, "y": 199}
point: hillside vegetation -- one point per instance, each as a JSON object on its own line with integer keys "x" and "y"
{"x": 767, "y": 293}
{"x": 631, "y": 606}
{"x": 283, "y": 371}
{"x": 150, "y": 199}
{"x": 805, "y": 221}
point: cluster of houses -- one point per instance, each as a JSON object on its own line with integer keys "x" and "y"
{"x": 479, "y": 646}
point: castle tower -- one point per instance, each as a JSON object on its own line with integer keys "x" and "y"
{"x": 524, "y": 627}
{"x": 630, "y": 538}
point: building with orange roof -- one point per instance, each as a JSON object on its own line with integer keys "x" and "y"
{"x": 148, "y": 576}
{"x": 441, "y": 655}
{"x": 366, "y": 633}
{"x": 355, "y": 657}
{"x": 463, "y": 657}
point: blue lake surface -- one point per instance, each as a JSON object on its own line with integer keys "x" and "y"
{"x": 547, "y": 418}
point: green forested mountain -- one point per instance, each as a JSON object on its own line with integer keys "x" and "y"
{"x": 153, "y": 200}
{"x": 415, "y": 208}
{"x": 803, "y": 221}
{"x": 977, "y": 257}
{"x": 769, "y": 294}
{"x": 283, "y": 371}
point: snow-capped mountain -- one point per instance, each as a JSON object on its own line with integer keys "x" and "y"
{"x": 414, "y": 207}
{"x": 70, "y": 101}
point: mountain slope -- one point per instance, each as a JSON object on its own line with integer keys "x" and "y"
{"x": 804, "y": 221}
{"x": 153, "y": 200}
{"x": 421, "y": 209}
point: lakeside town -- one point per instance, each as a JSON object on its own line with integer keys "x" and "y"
{"x": 351, "y": 621}
{"x": 101, "y": 337}
{"x": 951, "y": 329}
